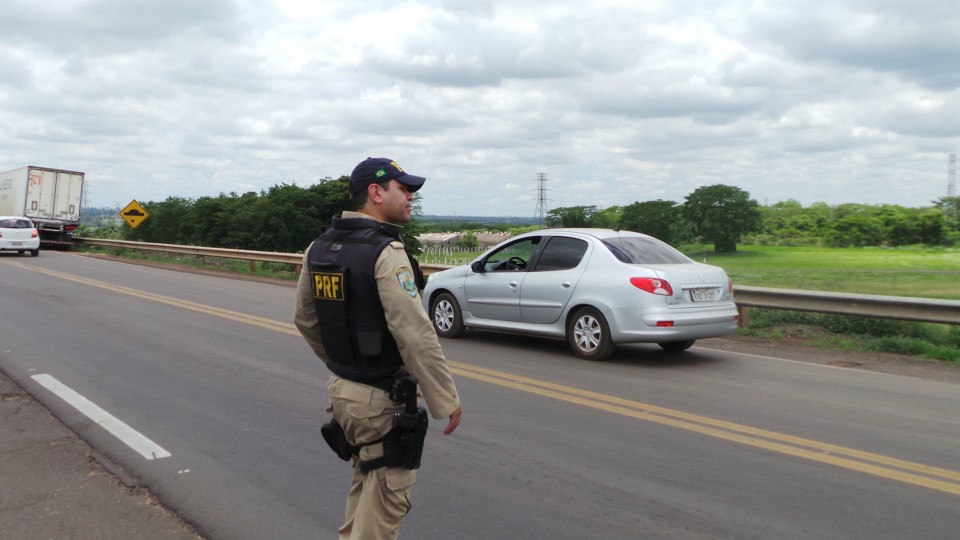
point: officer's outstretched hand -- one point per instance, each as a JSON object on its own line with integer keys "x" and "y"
{"x": 453, "y": 423}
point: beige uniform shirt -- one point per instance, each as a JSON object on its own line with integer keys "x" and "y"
{"x": 406, "y": 320}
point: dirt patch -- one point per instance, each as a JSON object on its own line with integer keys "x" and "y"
{"x": 799, "y": 349}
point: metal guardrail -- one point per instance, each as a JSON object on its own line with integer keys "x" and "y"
{"x": 862, "y": 305}
{"x": 253, "y": 256}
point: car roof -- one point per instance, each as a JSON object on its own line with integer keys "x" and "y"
{"x": 594, "y": 232}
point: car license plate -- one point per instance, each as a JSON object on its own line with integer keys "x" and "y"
{"x": 16, "y": 243}
{"x": 703, "y": 295}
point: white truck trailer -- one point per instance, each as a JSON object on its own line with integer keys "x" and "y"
{"x": 51, "y": 198}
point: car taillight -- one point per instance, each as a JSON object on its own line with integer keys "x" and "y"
{"x": 652, "y": 285}
{"x": 33, "y": 233}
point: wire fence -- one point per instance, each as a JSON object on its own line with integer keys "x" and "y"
{"x": 455, "y": 256}
{"x": 448, "y": 255}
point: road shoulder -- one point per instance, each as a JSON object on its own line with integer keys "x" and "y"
{"x": 52, "y": 488}
{"x": 799, "y": 350}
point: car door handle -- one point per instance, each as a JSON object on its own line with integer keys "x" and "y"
{"x": 566, "y": 284}
{"x": 512, "y": 284}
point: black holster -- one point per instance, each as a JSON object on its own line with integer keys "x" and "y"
{"x": 402, "y": 446}
{"x": 406, "y": 447}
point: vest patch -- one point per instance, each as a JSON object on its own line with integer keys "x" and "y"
{"x": 328, "y": 286}
{"x": 407, "y": 283}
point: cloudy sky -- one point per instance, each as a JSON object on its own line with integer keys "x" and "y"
{"x": 615, "y": 101}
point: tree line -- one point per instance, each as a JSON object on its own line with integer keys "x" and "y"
{"x": 726, "y": 215}
{"x": 286, "y": 218}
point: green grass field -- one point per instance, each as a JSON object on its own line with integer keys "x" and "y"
{"x": 920, "y": 273}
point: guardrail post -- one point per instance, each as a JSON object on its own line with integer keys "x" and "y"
{"x": 744, "y": 316}
{"x": 253, "y": 266}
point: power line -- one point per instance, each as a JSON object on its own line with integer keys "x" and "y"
{"x": 541, "y": 210}
{"x": 950, "y": 204}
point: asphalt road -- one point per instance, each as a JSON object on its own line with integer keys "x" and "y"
{"x": 225, "y": 401}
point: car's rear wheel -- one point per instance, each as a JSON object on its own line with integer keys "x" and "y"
{"x": 589, "y": 334}
{"x": 677, "y": 346}
{"x": 34, "y": 252}
{"x": 447, "y": 319}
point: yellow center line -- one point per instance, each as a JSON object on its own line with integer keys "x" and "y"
{"x": 287, "y": 328}
{"x": 875, "y": 464}
{"x": 909, "y": 472}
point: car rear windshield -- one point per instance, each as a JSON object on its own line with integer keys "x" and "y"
{"x": 641, "y": 250}
{"x": 15, "y": 224}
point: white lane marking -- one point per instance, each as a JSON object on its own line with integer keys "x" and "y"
{"x": 129, "y": 436}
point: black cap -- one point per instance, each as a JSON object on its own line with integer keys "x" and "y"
{"x": 375, "y": 170}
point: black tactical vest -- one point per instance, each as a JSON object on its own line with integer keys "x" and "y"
{"x": 353, "y": 326}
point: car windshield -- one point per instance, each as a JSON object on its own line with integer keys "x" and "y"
{"x": 15, "y": 224}
{"x": 644, "y": 250}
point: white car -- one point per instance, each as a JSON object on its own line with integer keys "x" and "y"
{"x": 593, "y": 287}
{"x": 19, "y": 234}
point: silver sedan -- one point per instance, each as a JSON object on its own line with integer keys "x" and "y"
{"x": 593, "y": 287}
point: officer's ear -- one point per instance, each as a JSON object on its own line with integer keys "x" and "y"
{"x": 375, "y": 193}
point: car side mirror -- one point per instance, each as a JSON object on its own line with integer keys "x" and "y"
{"x": 477, "y": 266}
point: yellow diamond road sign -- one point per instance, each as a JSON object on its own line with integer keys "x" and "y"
{"x": 134, "y": 214}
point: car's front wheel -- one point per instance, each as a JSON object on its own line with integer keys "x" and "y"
{"x": 589, "y": 334}
{"x": 446, "y": 316}
{"x": 677, "y": 346}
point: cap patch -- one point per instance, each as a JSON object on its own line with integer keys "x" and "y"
{"x": 380, "y": 173}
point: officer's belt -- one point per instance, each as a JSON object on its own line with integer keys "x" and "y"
{"x": 362, "y": 392}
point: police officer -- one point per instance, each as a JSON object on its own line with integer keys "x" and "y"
{"x": 359, "y": 308}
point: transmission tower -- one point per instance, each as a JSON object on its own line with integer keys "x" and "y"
{"x": 950, "y": 212}
{"x": 541, "y": 198}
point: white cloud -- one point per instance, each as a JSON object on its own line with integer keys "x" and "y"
{"x": 856, "y": 101}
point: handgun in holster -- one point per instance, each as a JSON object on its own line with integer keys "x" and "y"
{"x": 404, "y": 446}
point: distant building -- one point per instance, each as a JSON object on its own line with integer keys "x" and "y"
{"x": 485, "y": 238}
{"x": 439, "y": 239}
{"x": 488, "y": 239}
